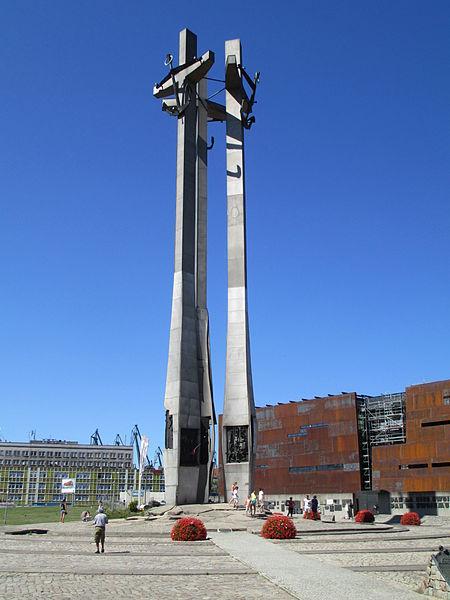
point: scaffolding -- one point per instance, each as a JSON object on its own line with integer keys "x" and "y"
{"x": 381, "y": 421}
{"x": 364, "y": 448}
{"x": 386, "y": 419}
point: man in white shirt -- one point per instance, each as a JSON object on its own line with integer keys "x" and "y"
{"x": 306, "y": 504}
{"x": 100, "y": 521}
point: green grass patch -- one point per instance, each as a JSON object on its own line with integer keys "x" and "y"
{"x": 26, "y": 515}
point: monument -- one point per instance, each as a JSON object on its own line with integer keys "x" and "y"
{"x": 190, "y": 415}
{"x": 239, "y": 417}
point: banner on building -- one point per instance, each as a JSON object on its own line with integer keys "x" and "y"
{"x": 68, "y": 486}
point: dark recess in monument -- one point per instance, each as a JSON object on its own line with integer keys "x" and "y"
{"x": 169, "y": 430}
{"x": 204, "y": 438}
{"x": 237, "y": 444}
{"x": 189, "y": 447}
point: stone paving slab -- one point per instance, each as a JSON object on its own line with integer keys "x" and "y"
{"x": 117, "y": 563}
{"x": 387, "y": 538}
{"x": 145, "y": 587}
{"x": 386, "y": 568}
{"x": 61, "y": 565}
{"x": 142, "y": 562}
{"x": 368, "y": 550}
{"x": 112, "y": 553}
{"x": 304, "y": 576}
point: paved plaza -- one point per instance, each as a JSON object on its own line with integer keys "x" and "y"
{"x": 326, "y": 560}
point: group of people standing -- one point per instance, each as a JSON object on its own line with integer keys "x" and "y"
{"x": 311, "y": 506}
{"x": 252, "y": 502}
{"x": 99, "y": 522}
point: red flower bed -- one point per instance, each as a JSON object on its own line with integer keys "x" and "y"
{"x": 364, "y": 516}
{"x": 188, "y": 530}
{"x": 410, "y": 518}
{"x": 310, "y": 516}
{"x": 278, "y": 527}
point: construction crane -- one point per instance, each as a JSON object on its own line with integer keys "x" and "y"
{"x": 136, "y": 438}
{"x": 158, "y": 457}
{"x": 118, "y": 441}
{"x": 96, "y": 440}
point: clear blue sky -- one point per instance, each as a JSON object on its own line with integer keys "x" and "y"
{"x": 348, "y": 210}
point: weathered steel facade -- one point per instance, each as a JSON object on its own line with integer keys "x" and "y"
{"x": 422, "y": 463}
{"x": 326, "y": 445}
{"x": 307, "y": 446}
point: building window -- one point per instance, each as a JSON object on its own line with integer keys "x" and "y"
{"x": 315, "y": 468}
{"x": 435, "y": 423}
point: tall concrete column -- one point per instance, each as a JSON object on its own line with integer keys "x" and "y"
{"x": 208, "y": 418}
{"x": 239, "y": 417}
{"x": 181, "y": 400}
{"x": 189, "y": 443}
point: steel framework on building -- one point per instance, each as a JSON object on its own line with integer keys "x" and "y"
{"x": 381, "y": 421}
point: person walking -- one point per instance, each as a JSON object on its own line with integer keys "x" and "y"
{"x": 63, "y": 507}
{"x": 234, "y": 485}
{"x": 253, "y": 504}
{"x": 290, "y": 506}
{"x": 261, "y": 500}
{"x": 350, "y": 511}
{"x": 314, "y": 507}
{"x": 100, "y": 521}
{"x": 235, "y": 497}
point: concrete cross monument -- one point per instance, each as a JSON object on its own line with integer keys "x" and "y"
{"x": 239, "y": 416}
{"x": 190, "y": 415}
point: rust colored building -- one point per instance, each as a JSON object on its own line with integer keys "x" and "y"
{"x": 422, "y": 463}
{"x": 309, "y": 446}
{"x": 392, "y": 449}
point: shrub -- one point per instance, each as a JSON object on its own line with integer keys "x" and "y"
{"x": 188, "y": 530}
{"x": 364, "y": 516}
{"x": 278, "y": 527}
{"x": 410, "y": 518}
{"x": 132, "y": 507}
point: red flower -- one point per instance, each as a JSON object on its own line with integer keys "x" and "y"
{"x": 364, "y": 516}
{"x": 188, "y": 530}
{"x": 410, "y": 518}
{"x": 278, "y": 527}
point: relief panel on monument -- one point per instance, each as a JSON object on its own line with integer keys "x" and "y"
{"x": 169, "y": 430}
{"x": 237, "y": 444}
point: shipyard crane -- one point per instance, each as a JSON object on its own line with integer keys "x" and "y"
{"x": 118, "y": 441}
{"x": 158, "y": 457}
{"x": 96, "y": 440}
